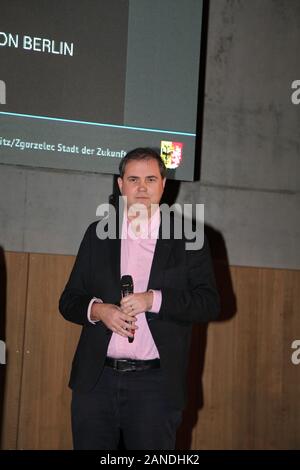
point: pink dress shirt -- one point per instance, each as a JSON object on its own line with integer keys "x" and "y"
{"x": 137, "y": 251}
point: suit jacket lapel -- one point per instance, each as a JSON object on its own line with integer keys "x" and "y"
{"x": 114, "y": 247}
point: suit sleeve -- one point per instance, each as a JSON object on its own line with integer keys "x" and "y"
{"x": 198, "y": 301}
{"x": 75, "y": 299}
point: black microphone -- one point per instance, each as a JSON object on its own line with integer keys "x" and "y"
{"x": 126, "y": 289}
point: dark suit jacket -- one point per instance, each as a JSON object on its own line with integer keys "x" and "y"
{"x": 189, "y": 296}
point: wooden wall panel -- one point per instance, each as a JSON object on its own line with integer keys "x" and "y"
{"x": 269, "y": 367}
{"x": 250, "y": 385}
{"x": 244, "y": 389}
{"x": 48, "y": 350}
{"x": 290, "y": 375}
{"x": 14, "y": 282}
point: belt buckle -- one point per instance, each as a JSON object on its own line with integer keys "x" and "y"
{"x": 125, "y": 365}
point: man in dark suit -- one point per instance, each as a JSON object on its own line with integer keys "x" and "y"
{"x": 135, "y": 387}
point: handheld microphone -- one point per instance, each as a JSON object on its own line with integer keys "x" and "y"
{"x": 126, "y": 289}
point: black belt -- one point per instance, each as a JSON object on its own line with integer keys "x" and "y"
{"x": 131, "y": 365}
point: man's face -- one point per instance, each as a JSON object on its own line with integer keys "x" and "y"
{"x": 142, "y": 183}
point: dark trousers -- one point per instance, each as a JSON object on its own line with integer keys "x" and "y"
{"x": 131, "y": 403}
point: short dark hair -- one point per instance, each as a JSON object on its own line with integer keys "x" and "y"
{"x": 142, "y": 153}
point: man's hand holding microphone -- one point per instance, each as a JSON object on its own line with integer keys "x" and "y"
{"x": 133, "y": 304}
{"x": 122, "y": 320}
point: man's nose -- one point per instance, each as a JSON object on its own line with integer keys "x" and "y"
{"x": 142, "y": 186}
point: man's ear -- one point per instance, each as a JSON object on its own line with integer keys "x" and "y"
{"x": 120, "y": 184}
{"x": 164, "y": 182}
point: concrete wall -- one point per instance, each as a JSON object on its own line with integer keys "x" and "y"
{"x": 250, "y": 152}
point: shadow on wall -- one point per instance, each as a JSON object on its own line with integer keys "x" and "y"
{"x": 3, "y": 284}
{"x": 195, "y": 394}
